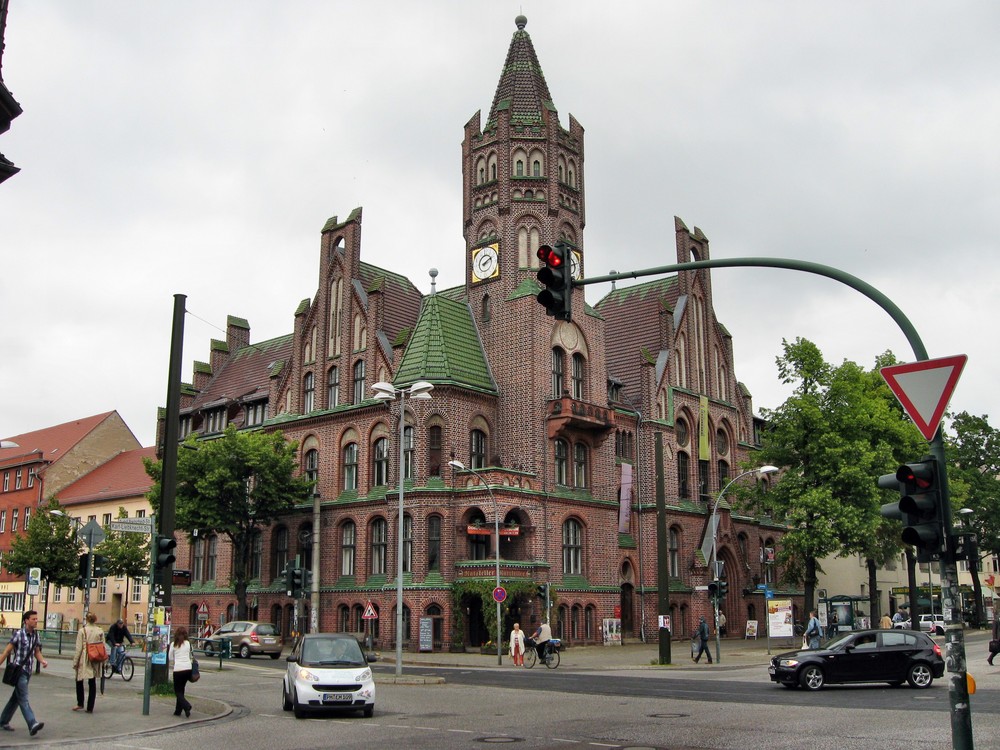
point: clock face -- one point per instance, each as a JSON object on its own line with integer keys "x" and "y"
{"x": 574, "y": 265}
{"x": 485, "y": 263}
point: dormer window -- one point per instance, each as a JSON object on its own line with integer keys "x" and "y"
{"x": 215, "y": 420}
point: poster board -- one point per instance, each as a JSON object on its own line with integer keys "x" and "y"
{"x": 751, "y": 631}
{"x": 779, "y": 618}
{"x": 612, "y": 631}
{"x": 426, "y": 634}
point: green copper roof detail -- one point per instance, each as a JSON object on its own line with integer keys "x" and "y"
{"x": 203, "y": 367}
{"x": 522, "y": 90}
{"x": 218, "y": 346}
{"x": 302, "y": 308}
{"x": 232, "y": 320}
{"x": 332, "y": 224}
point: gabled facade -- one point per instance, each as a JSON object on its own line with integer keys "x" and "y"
{"x": 45, "y": 463}
{"x": 570, "y": 424}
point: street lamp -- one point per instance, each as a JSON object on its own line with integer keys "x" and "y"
{"x": 388, "y": 392}
{"x": 90, "y": 557}
{"x": 496, "y": 530}
{"x": 761, "y": 471}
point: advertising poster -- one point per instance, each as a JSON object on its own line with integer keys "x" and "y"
{"x": 779, "y": 618}
{"x": 158, "y": 638}
{"x": 612, "y": 631}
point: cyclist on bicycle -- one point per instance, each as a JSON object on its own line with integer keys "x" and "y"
{"x": 541, "y": 637}
{"x": 117, "y": 635}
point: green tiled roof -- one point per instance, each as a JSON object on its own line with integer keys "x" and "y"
{"x": 657, "y": 289}
{"x": 445, "y": 348}
{"x": 522, "y": 90}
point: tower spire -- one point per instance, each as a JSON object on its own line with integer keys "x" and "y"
{"x": 522, "y": 89}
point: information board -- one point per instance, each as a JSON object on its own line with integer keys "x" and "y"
{"x": 426, "y": 633}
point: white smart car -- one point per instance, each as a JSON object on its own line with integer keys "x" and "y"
{"x": 328, "y": 671}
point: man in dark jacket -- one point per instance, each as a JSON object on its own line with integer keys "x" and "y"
{"x": 117, "y": 635}
{"x": 702, "y": 641}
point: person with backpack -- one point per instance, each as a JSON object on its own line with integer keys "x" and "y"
{"x": 87, "y": 661}
{"x": 702, "y": 634}
{"x": 814, "y": 631}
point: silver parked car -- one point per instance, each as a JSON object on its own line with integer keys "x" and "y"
{"x": 246, "y": 639}
{"x": 328, "y": 671}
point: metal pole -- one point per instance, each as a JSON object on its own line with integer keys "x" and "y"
{"x": 314, "y": 592}
{"x": 399, "y": 540}
{"x": 662, "y": 571}
{"x": 147, "y": 679}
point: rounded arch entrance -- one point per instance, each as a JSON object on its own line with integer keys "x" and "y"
{"x": 626, "y": 599}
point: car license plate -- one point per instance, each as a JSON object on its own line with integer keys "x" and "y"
{"x": 269, "y": 640}
{"x": 337, "y": 697}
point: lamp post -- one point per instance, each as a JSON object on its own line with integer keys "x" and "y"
{"x": 715, "y": 540}
{"x": 496, "y": 530}
{"x": 314, "y": 564}
{"x": 388, "y": 392}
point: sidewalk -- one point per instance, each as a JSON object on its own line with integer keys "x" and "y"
{"x": 117, "y": 713}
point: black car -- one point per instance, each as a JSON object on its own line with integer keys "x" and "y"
{"x": 864, "y": 656}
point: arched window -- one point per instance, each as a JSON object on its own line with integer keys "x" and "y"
{"x": 723, "y": 474}
{"x": 407, "y": 544}
{"x": 380, "y": 463}
{"x": 675, "y": 551}
{"x": 344, "y": 618}
{"x": 359, "y": 381}
{"x": 579, "y": 465}
{"x": 479, "y": 544}
{"x": 477, "y": 449}
{"x": 347, "y": 548}
{"x": 211, "y": 556}
{"x": 572, "y": 542}
{"x": 434, "y": 451}
{"x": 683, "y": 475}
{"x": 351, "y": 466}
{"x": 536, "y": 168}
{"x": 256, "y": 554}
{"x": 332, "y": 387}
{"x": 519, "y": 168}
{"x": 312, "y": 466}
{"x": 308, "y": 393}
{"x": 198, "y": 559}
{"x": 434, "y": 543}
{"x": 578, "y": 371}
{"x": 409, "y": 453}
{"x": 378, "y": 539}
{"x": 558, "y": 376}
{"x": 562, "y": 461}
{"x": 279, "y": 551}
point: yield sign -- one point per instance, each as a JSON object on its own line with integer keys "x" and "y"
{"x": 370, "y": 613}
{"x": 924, "y": 389}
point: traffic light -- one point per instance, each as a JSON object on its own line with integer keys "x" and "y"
{"x": 713, "y": 590}
{"x": 556, "y": 275}
{"x": 919, "y": 506}
{"x": 83, "y": 571}
{"x": 723, "y": 588}
{"x": 289, "y": 582}
{"x": 307, "y": 580}
{"x": 543, "y": 591}
{"x": 165, "y": 552}
{"x": 100, "y": 567}
{"x": 297, "y": 578}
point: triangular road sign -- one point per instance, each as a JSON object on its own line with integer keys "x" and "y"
{"x": 370, "y": 613}
{"x": 924, "y": 389}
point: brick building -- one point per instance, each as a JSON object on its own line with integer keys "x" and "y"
{"x": 639, "y": 387}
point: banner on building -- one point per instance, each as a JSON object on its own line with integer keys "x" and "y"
{"x": 704, "y": 449}
{"x": 625, "y": 507}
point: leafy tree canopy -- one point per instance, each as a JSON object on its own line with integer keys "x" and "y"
{"x": 973, "y": 450}
{"x": 50, "y": 543}
{"x": 127, "y": 552}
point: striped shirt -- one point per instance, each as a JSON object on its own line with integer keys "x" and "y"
{"x": 24, "y": 644}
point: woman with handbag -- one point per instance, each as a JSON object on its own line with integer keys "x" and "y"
{"x": 88, "y": 662}
{"x": 180, "y": 656}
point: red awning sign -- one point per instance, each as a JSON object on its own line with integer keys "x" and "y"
{"x": 924, "y": 389}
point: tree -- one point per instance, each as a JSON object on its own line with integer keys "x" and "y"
{"x": 49, "y": 543}
{"x": 973, "y": 471}
{"x": 234, "y": 486}
{"x": 127, "y": 555}
{"x": 836, "y": 433}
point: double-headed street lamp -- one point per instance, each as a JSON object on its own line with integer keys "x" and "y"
{"x": 496, "y": 530}
{"x": 761, "y": 471}
{"x": 388, "y": 392}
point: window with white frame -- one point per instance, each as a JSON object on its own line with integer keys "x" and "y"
{"x": 13, "y": 521}
{"x": 102, "y": 590}
{"x": 347, "y": 548}
{"x": 136, "y": 590}
{"x": 378, "y": 532}
{"x": 572, "y": 547}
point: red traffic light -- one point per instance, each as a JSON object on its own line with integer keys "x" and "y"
{"x": 550, "y": 256}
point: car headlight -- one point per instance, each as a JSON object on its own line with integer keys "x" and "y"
{"x": 365, "y": 676}
{"x": 788, "y": 663}
{"x": 305, "y": 674}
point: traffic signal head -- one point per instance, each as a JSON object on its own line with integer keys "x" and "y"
{"x": 83, "y": 571}
{"x": 307, "y": 579}
{"x": 100, "y": 567}
{"x": 713, "y": 590}
{"x": 919, "y": 506}
{"x": 723, "y": 588}
{"x": 289, "y": 580}
{"x": 294, "y": 581}
{"x": 556, "y": 275}
{"x": 165, "y": 552}
{"x": 543, "y": 591}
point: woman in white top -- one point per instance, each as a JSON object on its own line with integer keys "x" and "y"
{"x": 180, "y": 656}
{"x": 517, "y": 645}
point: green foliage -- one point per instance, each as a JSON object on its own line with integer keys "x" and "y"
{"x": 973, "y": 453}
{"x": 234, "y": 486}
{"x": 127, "y": 552}
{"x": 835, "y": 435}
{"x": 483, "y": 589}
{"x": 50, "y": 543}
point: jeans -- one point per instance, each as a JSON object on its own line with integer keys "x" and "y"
{"x": 703, "y": 649}
{"x": 19, "y": 697}
{"x": 117, "y": 657}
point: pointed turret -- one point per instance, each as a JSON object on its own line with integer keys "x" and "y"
{"x": 522, "y": 90}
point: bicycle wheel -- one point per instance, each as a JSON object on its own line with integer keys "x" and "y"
{"x": 530, "y": 657}
{"x": 552, "y": 659}
{"x": 108, "y": 670}
{"x": 128, "y": 668}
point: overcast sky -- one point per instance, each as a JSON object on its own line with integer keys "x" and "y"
{"x": 198, "y": 148}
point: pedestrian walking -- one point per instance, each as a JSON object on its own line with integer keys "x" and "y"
{"x": 23, "y": 649}
{"x": 517, "y": 645}
{"x": 886, "y": 622}
{"x": 722, "y": 624}
{"x": 995, "y": 641}
{"x": 85, "y": 668}
{"x": 702, "y": 641}
{"x": 180, "y": 657}
{"x": 814, "y": 631}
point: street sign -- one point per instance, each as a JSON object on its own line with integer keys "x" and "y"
{"x": 370, "y": 613}
{"x": 134, "y": 525}
{"x": 924, "y": 389}
{"x": 499, "y": 594}
{"x": 762, "y": 586}
{"x": 91, "y": 533}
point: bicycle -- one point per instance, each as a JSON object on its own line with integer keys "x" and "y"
{"x": 119, "y": 662}
{"x": 551, "y": 656}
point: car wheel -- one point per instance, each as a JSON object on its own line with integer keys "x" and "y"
{"x": 920, "y": 676}
{"x": 286, "y": 703}
{"x": 811, "y": 677}
{"x": 244, "y": 651}
{"x": 369, "y": 710}
{"x": 939, "y": 631}
{"x": 209, "y": 648}
{"x": 275, "y": 656}
{"x": 297, "y": 708}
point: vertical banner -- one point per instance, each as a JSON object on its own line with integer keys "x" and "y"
{"x": 704, "y": 450}
{"x": 625, "y": 507}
